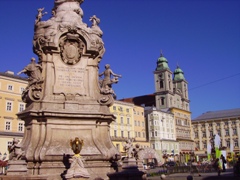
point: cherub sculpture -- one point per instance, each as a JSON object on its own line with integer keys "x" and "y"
{"x": 40, "y": 15}
{"x": 15, "y": 151}
{"x": 128, "y": 148}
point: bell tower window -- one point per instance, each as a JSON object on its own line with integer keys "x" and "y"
{"x": 161, "y": 84}
{"x": 162, "y": 100}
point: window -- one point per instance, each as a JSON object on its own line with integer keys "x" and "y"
{"x": 127, "y": 110}
{"x": 196, "y": 135}
{"x": 211, "y": 134}
{"x": 21, "y": 107}
{"x": 226, "y": 132}
{"x": 122, "y": 134}
{"x": 135, "y": 123}
{"x": 9, "y": 144}
{"x": 9, "y": 106}
{"x": 138, "y": 123}
{"x": 10, "y": 87}
{"x": 128, "y": 134}
{"x": 234, "y": 131}
{"x": 156, "y": 134}
{"x": 121, "y": 120}
{"x": 143, "y": 124}
{"x": 20, "y": 127}
{"x": 22, "y": 89}
{"x": 236, "y": 143}
{"x": 8, "y": 125}
{"x": 162, "y": 100}
{"x": 228, "y": 144}
{"x": 120, "y": 109}
{"x": 161, "y": 84}
{"x": 139, "y": 134}
{"x": 115, "y": 133}
{"x": 204, "y": 134}
{"x": 143, "y": 134}
{"x": 114, "y": 107}
{"x": 153, "y": 146}
{"x": 128, "y": 120}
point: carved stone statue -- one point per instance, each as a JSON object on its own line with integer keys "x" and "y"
{"x": 106, "y": 83}
{"x": 77, "y": 169}
{"x": 34, "y": 90}
{"x": 15, "y": 151}
{"x": 40, "y": 15}
{"x": 128, "y": 147}
{"x": 33, "y": 70}
{"x": 95, "y": 28}
{"x": 136, "y": 150}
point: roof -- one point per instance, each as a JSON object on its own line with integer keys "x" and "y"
{"x": 218, "y": 114}
{"x": 12, "y": 76}
{"x": 145, "y": 100}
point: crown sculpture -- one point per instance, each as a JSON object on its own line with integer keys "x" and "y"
{"x": 66, "y": 96}
{"x": 77, "y": 169}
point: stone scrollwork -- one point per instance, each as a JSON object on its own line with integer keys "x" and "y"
{"x": 33, "y": 91}
{"x": 71, "y": 48}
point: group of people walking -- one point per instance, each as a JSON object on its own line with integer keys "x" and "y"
{"x": 220, "y": 165}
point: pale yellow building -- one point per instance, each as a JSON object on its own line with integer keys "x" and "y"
{"x": 140, "y": 128}
{"x": 129, "y": 124}
{"x": 11, "y": 88}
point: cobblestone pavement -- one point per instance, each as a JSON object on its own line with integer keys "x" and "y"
{"x": 228, "y": 175}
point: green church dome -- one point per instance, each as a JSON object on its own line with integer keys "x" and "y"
{"x": 178, "y": 74}
{"x": 162, "y": 63}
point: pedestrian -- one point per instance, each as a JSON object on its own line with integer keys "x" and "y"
{"x": 223, "y": 163}
{"x": 217, "y": 166}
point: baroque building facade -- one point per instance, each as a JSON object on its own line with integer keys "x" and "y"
{"x": 171, "y": 93}
{"x": 225, "y": 123}
{"x": 162, "y": 132}
{"x": 11, "y": 88}
{"x": 129, "y": 124}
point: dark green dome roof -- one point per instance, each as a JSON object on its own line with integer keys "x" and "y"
{"x": 178, "y": 74}
{"x": 162, "y": 63}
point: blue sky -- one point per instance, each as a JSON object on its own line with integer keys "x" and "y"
{"x": 201, "y": 36}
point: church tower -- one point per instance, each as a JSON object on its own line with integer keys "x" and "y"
{"x": 181, "y": 90}
{"x": 163, "y": 84}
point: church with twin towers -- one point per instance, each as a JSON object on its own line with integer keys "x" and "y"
{"x": 167, "y": 113}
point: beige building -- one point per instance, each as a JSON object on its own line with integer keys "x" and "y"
{"x": 129, "y": 124}
{"x": 11, "y": 88}
{"x": 225, "y": 123}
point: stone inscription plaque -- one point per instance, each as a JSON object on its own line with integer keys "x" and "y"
{"x": 69, "y": 79}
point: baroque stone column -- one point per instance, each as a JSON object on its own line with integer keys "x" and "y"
{"x": 64, "y": 96}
